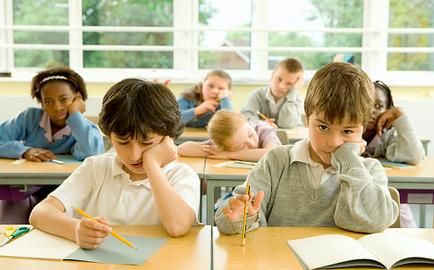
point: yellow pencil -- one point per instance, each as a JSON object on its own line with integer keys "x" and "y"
{"x": 243, "y": 233}
{"x": 115, "y": 234}
{"x": 262, "y": 116}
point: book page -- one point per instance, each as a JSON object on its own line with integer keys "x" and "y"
{"x": 392, "y": 247}
{"x": 39, "y": 244}
{"x": 326, "y": 250}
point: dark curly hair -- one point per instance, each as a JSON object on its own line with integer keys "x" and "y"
{"x": 63, "y": 74}
{"x": 386, "y": 90}
{"x": 132, "y": 108}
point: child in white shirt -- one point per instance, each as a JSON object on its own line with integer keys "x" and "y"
{"x": 138, "y": 184}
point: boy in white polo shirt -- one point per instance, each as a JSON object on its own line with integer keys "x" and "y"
{"x": 138, "y": 184}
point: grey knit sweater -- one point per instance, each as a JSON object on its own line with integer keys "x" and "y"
{"x": 356, "y": 198}
{"x": 289, "y": 112}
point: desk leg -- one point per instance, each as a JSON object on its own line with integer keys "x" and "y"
{"x": 210, "y": 203}
{"x": 422, "y": 214}
{"x": 210, "y": 198}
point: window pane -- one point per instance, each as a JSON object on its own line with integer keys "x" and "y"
{"x": 314, "y": 14}
{"x": 414, "y": 13}
{"x": 36, "y": 12}
{"x": 117, "y": 59}
{"x": 225, "y": 14}
{"x": 40, "y": 12}
{"x": 410, "y": 61}
{"x": 150, "y": 13}
{"x": 224, "y": 60}
{"x": 40, "y": 58}
{"x": 411, "y": 14}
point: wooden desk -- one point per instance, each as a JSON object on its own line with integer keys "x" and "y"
{"x": 22, "y": 172}
{"x": 192, "y": 134}
{"x": 197, "y": 163}
{"x": 192, "y": 251}
{"x": 266, "y": 247}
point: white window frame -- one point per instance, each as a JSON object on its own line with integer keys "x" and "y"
{"x": 186, "y": 48}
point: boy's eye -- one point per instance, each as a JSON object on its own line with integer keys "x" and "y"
{"x": 347, "y": 132}
{"x": 123, "y": 142}
{"x": 146, "y": 143}
{"x": 323, "y": 127}
{"x": 47, "y": 102}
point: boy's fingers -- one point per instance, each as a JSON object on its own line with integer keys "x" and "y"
{"x": 229, "y": 214}
{"x": 92, "y": 224}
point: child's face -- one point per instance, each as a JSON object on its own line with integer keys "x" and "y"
{"x": 212, "y": 86}
{"x": 244, "y": 138}
{"x": 326, "y": 137}
{"x": 283, "y": 81}
{"x": 379, "y": 107}
{"x": 130, "y": 152}
{"x": 56, "y": 97}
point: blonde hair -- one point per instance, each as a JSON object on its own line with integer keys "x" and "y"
{"x": 292, "y": 65}
{"x": 222, "y": 126}
{"x": 343, "y": 92}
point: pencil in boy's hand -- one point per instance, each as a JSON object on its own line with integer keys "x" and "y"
{"x": 262, "y": 116}
{"x": 115, "y": 234}
{"x": 243, "y": 233}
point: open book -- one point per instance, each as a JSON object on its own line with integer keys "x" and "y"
{"x": 39, "y": 244}
{"x": 383, "y": 250}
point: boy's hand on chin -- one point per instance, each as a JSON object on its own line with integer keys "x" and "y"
{"x": 161, "y": 154}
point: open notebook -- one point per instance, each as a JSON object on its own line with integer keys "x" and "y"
{"x": 383, "y": 250}
{"x": 38, "y": 244}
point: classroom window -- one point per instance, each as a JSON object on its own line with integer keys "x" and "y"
{"x": 308, "y": 26}
{"x": 413, "y": 21}
{"x": 184, "y": 39}
{"x": 36, "y": 13}
{"x": 124, "y": 14}
{"x": 217, "y": 16}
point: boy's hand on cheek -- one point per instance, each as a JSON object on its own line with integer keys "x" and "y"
{"x": 90, "y": 233}
{"x": 160, "y": 154}
{"x": 77, "y": 105}
{"x": 355, "y": 147}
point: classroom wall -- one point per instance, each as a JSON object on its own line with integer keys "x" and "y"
{"x": 417, "y": 101}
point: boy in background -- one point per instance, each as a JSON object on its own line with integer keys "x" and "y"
{"x": 321, "y": 180}
{"x": 280, "y": 102}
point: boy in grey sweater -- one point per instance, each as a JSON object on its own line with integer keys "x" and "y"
{"x": 280, "y": 102}
{"x": 321, "y": 180}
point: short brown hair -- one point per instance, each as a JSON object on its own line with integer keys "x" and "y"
{"x": 292, "y": 65}
{"x": 62, "y": 74}
{"x": 342, "y": 92}
{"x": 136, "y": 107}
{"x": 222, "y": 126}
